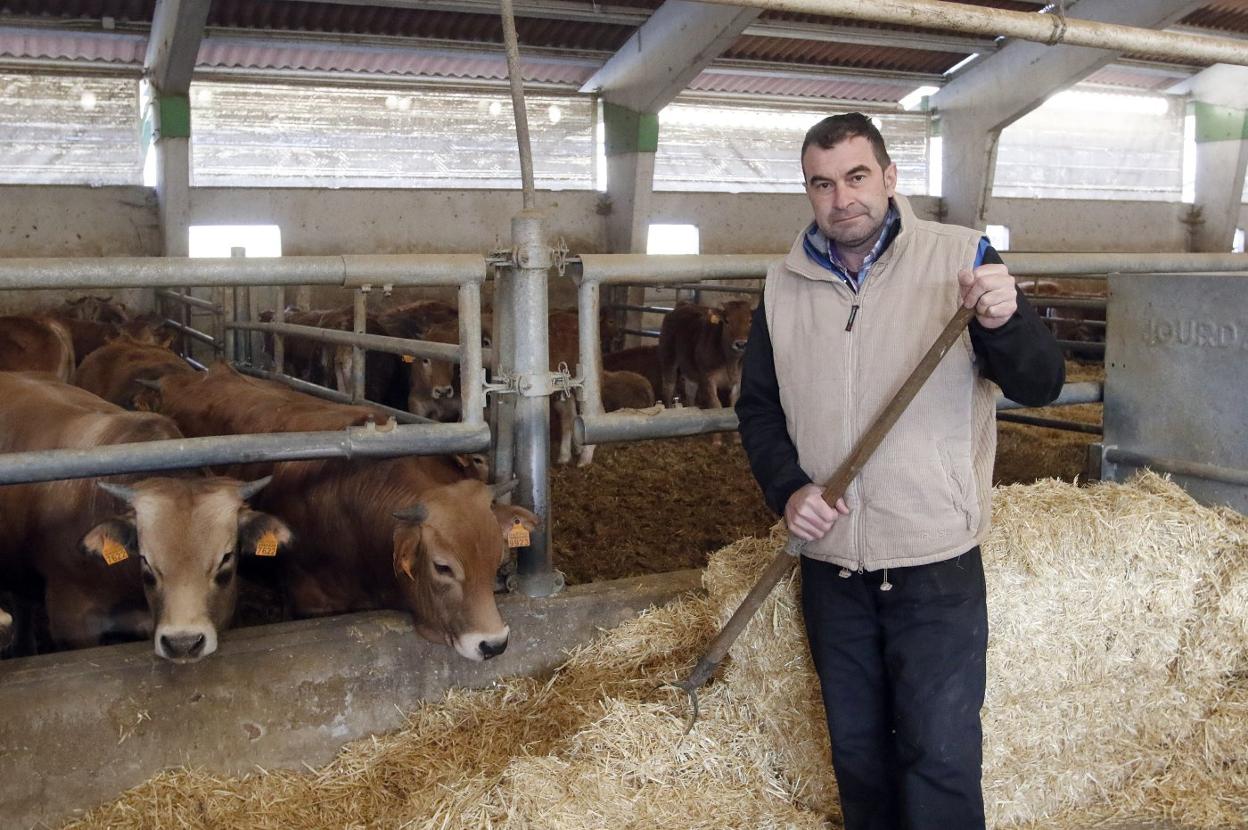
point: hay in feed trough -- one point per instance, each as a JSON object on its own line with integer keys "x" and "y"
{"x": 1119, "y": 618}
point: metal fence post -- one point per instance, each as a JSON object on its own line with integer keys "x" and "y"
{"x": 359, "y": 326}
{"x": 535, "y": 572}
{"x": 503, "y": 407}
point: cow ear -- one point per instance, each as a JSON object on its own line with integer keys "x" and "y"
{"x": 714, "y": 318}
{"x": 260, "y": 534}
{"x": 405, "y": 556}
{"x": 113, "y": 541}
{"x": 510, "y": 516}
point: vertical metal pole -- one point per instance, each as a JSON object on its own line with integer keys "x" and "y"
{"x": 279, "y": 340}
{"x": 588, "y": 298}
{"x": 232, "y": 350}
{"x": 503, "y": 407}
{"x": 359, "y": 326}
{"x": 471, "y": 390}
{"x": 535, "y": 573}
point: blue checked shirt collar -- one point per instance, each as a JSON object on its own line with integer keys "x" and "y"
{"x": 823, "y": 250}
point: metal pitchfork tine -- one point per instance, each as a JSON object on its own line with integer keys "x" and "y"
{"x": 783, "y": 563}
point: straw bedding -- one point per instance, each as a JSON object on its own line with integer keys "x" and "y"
{"x": 1117, "y": 687}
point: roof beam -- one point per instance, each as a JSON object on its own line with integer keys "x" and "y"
{"x": 172, "y": 46}
{"x": 669, "y": 50}
{"x": 865, "y": 36}
{"x": 1001, "y": 88}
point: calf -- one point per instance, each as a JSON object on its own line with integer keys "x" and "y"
{"x": 420, "y": 533}
{"x": 122, "y": 371}
{"x": 36, "y": 344}
{"x": 705, "y": 346}
{"x": 132, "y": 556}
{"x": 95, "y": 309}
{"x": 643, "y": 360}
{"x": 1077, "y": 324}
{"x": 626, "y": 390}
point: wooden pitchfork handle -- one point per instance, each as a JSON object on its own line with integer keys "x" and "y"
{"x": 836, "y": 487}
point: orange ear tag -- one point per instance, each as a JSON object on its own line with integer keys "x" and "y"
{"x": 714, "y": 318}
{"x": 407, "y": 358}
{"x": 518, "y": 535}
{"x": 267, "y": 546}
{"x": 114, "y": 551}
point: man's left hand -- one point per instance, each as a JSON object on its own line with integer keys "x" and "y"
{"x": 989, "y": 289}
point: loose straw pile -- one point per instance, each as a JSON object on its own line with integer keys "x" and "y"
{"x": 1117, "y": 687}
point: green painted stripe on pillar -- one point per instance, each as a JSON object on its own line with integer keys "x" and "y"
{"x": 1215, "y": 123}
{"x": 175, "y": 116}
{"x": 627, "y": 131}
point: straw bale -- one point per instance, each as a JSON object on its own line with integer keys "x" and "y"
{"x": 1117, "y": 686}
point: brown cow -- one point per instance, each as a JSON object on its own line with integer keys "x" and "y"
{"x": 411, "y": 532}
{"x": 643, "y": 360}
{"x": 89, "y": 335}
{"x": 36, "y": 344}
{"x": 626, "y": 390}
{"x": 705, "y": 346}
{"x": 95, "y": 309}
{"x": 116, "y": 372}
{"x": 433, "y": 385}
{"x": 1078, "y": 324}
{"x": 133, "y": 556}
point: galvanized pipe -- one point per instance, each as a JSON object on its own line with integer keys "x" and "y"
{"x": 645, "y": 309}
{"x": 471, "y": 375}
{"x": 674, "y": 423}
{"x": 1096, "y": 324}
{"x": 1050, "y": 423}
{"x": 588, "y": 298}
{"x": 193, "y": 333}
{"x": 334, "y": 395}
{"x": 351, "y": 271}
{"x": 1175, "y": 466}
{"x": 359, "y": 326}
{"x": 503, "y": 407}
{"x": 189, "y": 453}
{"x": 373, "y": 342}
{"x": 1051, "y": 29}
{"x": 535, "y": 572}
{"x": 678, "y": 270}
{"x": 699, "y": 288}
{"x": 229, "y": 316}
{"x": 187, "y": 299}
{"x": 279, "y": 340}
{"x": 1083, "y": 347}
{"x": 1098, "y": 303}
{"x": 641, "y": 332}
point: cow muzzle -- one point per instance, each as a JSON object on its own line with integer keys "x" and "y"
{"x": 738, "y": 346}
{"x": 185, "y": 645}
{"x": 479, "y": 647}
{"x": 440, "y": 392}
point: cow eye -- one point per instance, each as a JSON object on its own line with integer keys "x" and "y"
{"x": 228, "y": 558}
{"x": 443, "y": 570}
{"x": 223, "y": 577}
{"x": 425, "y": 362}
{"x": 149, "y": 578}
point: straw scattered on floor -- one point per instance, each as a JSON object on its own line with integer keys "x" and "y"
{"x": 1117, "y": 687}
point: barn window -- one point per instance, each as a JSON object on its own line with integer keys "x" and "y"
{"x": 283, "y": 135}
{"x": 673, "y": 239}
{"x": 998, "y": 236}
{"x": 1083, "y": 144}
{"x": 60, "y": 129}
{"x": 1237, "y": 246}
{"x": 720, "y": 147}
{"x": 220, "y": 240}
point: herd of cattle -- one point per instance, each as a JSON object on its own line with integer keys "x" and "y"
{"x": 94, "y": 561}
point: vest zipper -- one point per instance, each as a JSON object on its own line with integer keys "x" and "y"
{"x": 853, "y": 315}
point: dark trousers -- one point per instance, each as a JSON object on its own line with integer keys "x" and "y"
{"x": 902, "y": 673}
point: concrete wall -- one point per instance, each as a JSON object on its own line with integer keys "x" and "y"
{"x": 38, "y": 221}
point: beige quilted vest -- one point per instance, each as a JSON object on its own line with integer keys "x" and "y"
{"x": 925, "y": 494}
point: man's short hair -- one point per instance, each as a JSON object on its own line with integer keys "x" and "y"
{"x": 834, "y": 129}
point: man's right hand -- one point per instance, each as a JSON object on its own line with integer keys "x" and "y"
{"x": 808, "y": 516}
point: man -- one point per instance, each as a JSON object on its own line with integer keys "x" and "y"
{"x": 892, "y": 582}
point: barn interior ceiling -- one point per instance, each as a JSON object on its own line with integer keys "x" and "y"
{"x": 564, "y": 43}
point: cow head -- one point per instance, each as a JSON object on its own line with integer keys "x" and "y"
{"x": 734, "y": 319}
{"x": 447, "y": 550}
{"x": 188, "y": 534}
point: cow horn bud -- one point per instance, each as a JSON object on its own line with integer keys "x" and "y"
{"x": 246, "y": 491}
{"x": 119, "y": 491}
{"x": 416, "y": 514}
{"x": 503, "y": 488}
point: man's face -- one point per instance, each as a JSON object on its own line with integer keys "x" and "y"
{"x": 848, "y": 191}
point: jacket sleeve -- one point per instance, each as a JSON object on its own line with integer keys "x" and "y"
{"x": 763, "y": 427}
{"x": 1021, "y": 356}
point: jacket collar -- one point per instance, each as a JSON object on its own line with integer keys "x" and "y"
{"x": 799, "y": 262}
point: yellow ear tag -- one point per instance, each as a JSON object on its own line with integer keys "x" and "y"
{"x": 407, "y": 358}
{"x": 267, "y": 546}
{"x": 114, "y": 551}
{"x": 518, "y": 535}
{"x": 714, "y": 318}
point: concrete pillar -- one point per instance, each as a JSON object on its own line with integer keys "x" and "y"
{"x": 632, "y": 138}
{"x": 173, "y": 193}
{"x": 969, "y": 161}
{"x": 1220, "y": 105}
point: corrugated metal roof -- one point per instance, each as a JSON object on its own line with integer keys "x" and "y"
{"x": 51, "y": 44}
{"x": 817, "y": 53}
{"x": 841, "y": 90}
{"x": 1225, "y": 16}
{"x": 1127, "y": 78}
